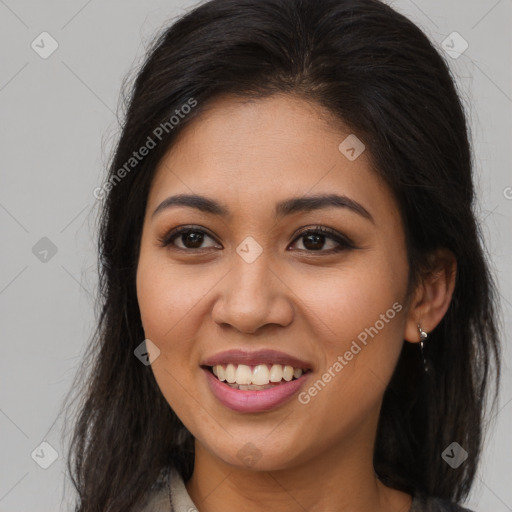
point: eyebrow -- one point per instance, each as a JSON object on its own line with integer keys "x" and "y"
{"x": 283, "y": 208}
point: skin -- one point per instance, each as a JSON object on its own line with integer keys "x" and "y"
{"x": 309, "y": 303}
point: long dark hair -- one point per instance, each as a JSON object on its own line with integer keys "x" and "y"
{"x": 377, "y": 72}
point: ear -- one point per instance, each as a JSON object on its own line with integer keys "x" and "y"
{"x": 432, "y": 295}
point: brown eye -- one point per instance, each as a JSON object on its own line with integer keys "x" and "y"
{"x": 191, "y": 239}
{"x": 315, "y": 240}
{"x": 186, "y": 238}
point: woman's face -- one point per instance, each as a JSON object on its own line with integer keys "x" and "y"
{"x": 246, "y": 286}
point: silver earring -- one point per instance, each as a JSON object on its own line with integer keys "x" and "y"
{"x": 423, "y": 337}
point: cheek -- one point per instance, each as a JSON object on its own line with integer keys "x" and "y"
{"x": 167, "y": 295}
{"x": 357, "y": 317}
{"x": 345, "y": 301}
{"x": 168, "y": 300}
{"x": 173, "y": 302}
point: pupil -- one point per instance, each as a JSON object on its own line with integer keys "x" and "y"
{"x": 317, "y": 244}
{"x": 193, "y": 238}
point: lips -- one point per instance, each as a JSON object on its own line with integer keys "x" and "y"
{"x": 254, "y": 399}
{"x": 254, "y": 358}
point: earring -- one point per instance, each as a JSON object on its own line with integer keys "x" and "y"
{"x": 423, "y": 337}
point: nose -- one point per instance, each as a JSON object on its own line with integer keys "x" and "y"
{"x": 253, "y": 295}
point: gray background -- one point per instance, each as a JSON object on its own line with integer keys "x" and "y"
{"x": 58, "y": 125}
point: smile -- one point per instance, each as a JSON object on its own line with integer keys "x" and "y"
{"x": 255, "y": 377}
{"x": 254, "y": 398}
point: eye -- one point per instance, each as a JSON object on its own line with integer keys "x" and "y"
{"x": 314, "y": 240}
{"x": 190, "y": 237}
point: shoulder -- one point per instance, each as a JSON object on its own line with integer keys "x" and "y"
{"x": 168, "y": 494}
{"x": 424, "y": 503}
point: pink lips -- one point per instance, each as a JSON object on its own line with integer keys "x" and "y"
{"x": 250, "y": 401}
{"x": 253, "y": 401}
{"x": 254, "y": 358}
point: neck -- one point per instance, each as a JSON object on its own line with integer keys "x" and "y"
{"x": 338, "y": 479}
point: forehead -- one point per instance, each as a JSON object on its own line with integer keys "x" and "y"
{"x": 258, "y": 152}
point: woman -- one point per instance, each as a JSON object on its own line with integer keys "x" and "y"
{"x": 297, "y": 310}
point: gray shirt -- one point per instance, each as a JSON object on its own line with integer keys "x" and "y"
{"x": 178, "y": 500}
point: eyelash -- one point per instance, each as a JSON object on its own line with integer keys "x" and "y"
{"x": 344, "y": 243}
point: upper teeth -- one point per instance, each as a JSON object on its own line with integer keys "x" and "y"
{"x": 260, "y": 375}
